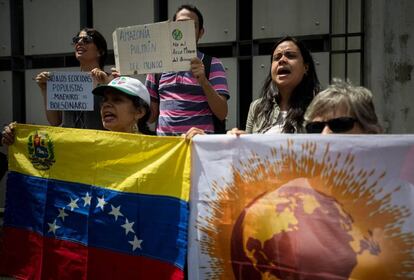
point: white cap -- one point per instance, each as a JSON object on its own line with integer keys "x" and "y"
{"x": 128, "y": 86}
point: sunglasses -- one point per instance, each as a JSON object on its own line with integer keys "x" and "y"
{"x": 337, "y": 125}
{"x": 85, "y": 39}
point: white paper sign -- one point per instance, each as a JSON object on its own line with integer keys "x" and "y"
{"x": 154, "y": 48}
{"x": 70, "y": 91}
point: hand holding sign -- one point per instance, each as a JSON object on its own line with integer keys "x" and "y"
{"x": 41, "y": 80}
{"x": 197, "y": 68}
{"x": 100, "y": 77}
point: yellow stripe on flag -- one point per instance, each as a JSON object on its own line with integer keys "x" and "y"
{"x": 119, "y": 161}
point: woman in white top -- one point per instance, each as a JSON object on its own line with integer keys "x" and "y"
{"x": 290, "y": 86}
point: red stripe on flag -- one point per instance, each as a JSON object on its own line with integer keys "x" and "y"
{"x": 27, "y": 255}
{"x": 109, "y": 265}
{"x": 22, "y": 258}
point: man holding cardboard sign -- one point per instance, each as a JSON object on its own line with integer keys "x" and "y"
{"x": 195, "y": 98}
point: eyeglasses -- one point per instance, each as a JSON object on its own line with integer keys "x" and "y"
{"x": 337, "y": 125}
{"x": 85, "y": 39}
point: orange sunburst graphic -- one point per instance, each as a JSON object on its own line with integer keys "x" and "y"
{"x": 296, "y": 215}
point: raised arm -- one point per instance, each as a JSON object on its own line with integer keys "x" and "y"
{"x": 216, "y": 102}
{"x": 53, "y": 117}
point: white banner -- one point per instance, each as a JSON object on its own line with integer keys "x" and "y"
{"x": 70, "y": 91}
{"x": 302, "y": 207}
{"x": 154, "y": 48}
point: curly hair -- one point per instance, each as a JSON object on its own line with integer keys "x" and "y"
{"x": 300, "y": 98}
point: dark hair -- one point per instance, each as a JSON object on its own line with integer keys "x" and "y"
{"x": 100, "y": 43}
{"x": 142, "y": 122}
{"x": 301, "y": 96}
{"x": 193, "y": 9}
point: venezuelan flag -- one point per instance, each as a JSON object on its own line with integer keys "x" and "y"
{"x": 85, "y": 204}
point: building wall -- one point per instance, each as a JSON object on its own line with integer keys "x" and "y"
{"x": 390, "y": 62}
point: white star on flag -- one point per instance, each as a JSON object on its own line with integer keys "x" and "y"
{"x": 128, "y": 226}
{"x": 73, "y": 204}
{"x": 53, "y": 227}
{"x": 136, "y": 243}
{"x": 62, "y": 214}
{"x": 116, "y": 211}
{"x": 101, "y": 203}
{"x": 87, "y": 199}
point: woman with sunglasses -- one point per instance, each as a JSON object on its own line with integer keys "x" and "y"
{"x": 342, "y": 108}
{"x": 91, "y": 52}
{"x": 289, "y": 87}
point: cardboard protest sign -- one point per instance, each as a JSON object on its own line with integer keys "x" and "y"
{"x": 70, "y": 91}
{"x": 154, "y": 48}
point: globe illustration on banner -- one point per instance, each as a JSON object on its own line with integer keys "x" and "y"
{"x": 177, "y": 34}
{"x": 296, "y": 232}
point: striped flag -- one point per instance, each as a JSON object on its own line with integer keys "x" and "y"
{"x": 84, "y": 204}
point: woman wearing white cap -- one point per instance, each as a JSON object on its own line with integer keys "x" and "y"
{"x": 125, "y": 105}
{"x": 125, "y": 108}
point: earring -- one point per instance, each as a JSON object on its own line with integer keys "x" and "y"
{"x": 135, "y": 128}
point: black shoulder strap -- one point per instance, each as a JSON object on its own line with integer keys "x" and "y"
{"x": 207, "y": 65}
{"x": 157, "y": 78}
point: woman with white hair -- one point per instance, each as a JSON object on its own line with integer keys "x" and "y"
{"x": 342, "y": 108}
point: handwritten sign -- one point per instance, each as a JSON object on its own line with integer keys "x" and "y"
{"x": 70, "y": 91}
{"x": 154, "y": 48}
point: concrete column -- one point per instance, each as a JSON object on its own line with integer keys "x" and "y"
{"x": 389, "y": 60}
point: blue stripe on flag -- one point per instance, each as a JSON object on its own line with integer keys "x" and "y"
{"x": 135, "y": 224}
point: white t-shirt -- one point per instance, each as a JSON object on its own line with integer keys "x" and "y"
{"x": 280, "y": 122}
